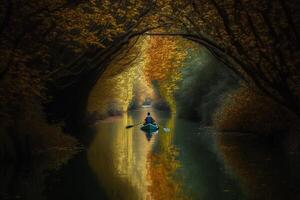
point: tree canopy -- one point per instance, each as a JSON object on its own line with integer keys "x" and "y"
{"x": 66, "y": 42}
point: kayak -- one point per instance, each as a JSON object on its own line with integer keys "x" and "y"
{"x": 149, "y": 127}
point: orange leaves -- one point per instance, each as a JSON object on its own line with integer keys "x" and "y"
{"x": 163, "y": 58}
{"x": 246, "y": 110}
{"x": 115, "y": 89}
{"x": 161, "y": 169}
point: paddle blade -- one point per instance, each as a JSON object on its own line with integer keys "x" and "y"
{"x": 166, "y": 129}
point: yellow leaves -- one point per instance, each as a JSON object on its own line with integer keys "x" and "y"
{"x": 164, "y": 57}
{"x": 246, "y": 110}
{"x": 115, "y": 89}
{"x": 89, "y": 21}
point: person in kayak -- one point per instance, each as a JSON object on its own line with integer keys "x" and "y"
{"x": 149, "y": 119}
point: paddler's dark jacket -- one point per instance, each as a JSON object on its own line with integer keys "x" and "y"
{"x": 149, "y": 119}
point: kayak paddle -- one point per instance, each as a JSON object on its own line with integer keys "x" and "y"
{"x": 133, "y": 125}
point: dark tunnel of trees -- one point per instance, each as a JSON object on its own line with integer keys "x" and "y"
{"x": 53, "y": 52}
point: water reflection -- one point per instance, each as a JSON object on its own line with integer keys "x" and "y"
{"x": 163, "y": 166}
{"x": 184, "y": 163}
{"x": 203, "y": 171}
{"x": 149, "y": 134}
{"x": 264, "y": 171}
{"x": 118, "y": 158}
{"x": 132, "y": 164}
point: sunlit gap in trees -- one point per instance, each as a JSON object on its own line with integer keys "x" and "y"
{"x": 146, "y": 72}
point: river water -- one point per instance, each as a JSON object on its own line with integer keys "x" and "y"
{"x": 186, "y": 162}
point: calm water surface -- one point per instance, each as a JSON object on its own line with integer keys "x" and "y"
{"x": 187, "y": 162}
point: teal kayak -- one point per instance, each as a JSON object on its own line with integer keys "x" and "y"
{"x": 149, "y": 127}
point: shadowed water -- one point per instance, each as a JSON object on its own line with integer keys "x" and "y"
{"x": 184, "y": 162}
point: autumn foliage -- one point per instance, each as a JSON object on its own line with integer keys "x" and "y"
{"x": 57, "y": 50}
{"x": 115, "y": 90}
{"x": 258, "y": 40}
{"x": 164, "y": 57}
{"x": 246, "y": 110}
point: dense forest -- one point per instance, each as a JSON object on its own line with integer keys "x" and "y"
{"x": 53, "y": 54}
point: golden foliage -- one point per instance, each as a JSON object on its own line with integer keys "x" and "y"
{"x": 246, "y": 110}
{"x": 164, "y": 57}
{"x": 114, "y": 91}
{"x": 259, "y": 40}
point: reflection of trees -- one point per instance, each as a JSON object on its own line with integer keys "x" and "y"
{"x": 263, "y": 172}
{"x": 118, "y": 158}
{"x": 102, "y": 163}
{"x": 162, "y": 167}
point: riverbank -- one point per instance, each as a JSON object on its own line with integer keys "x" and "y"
{"x": 246, "y": 110}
